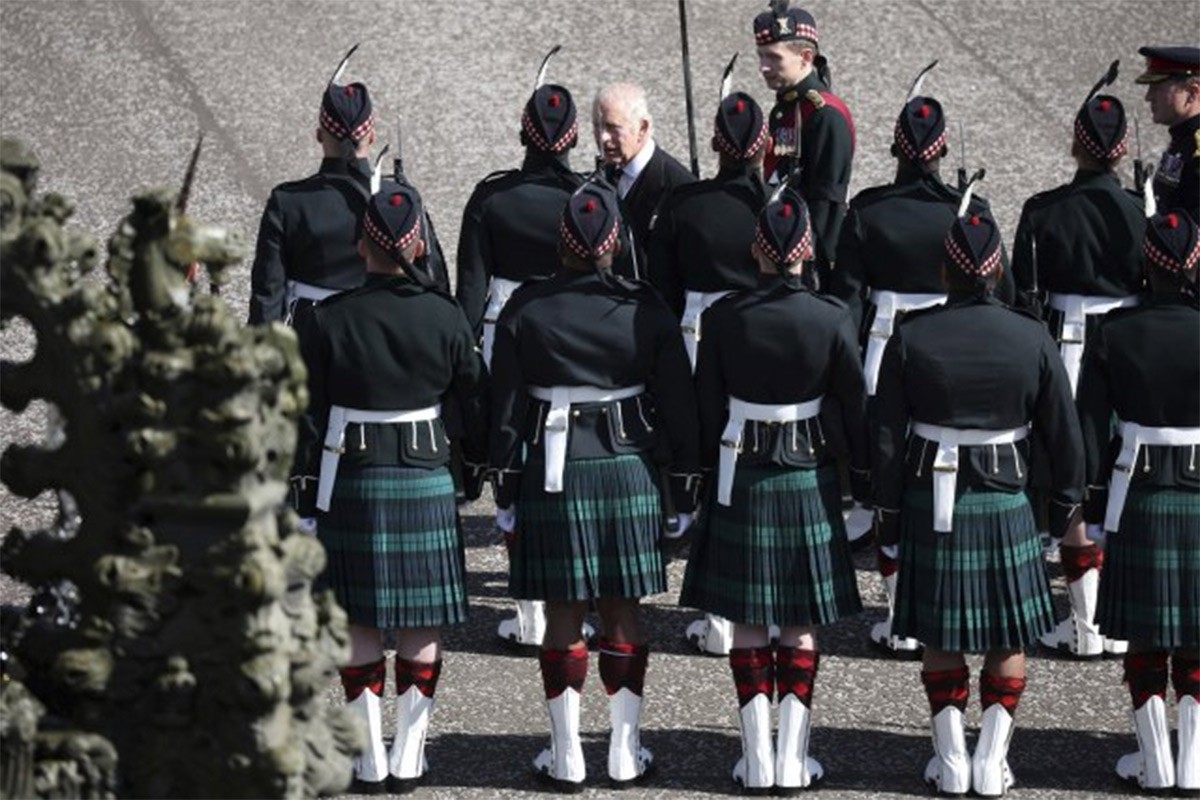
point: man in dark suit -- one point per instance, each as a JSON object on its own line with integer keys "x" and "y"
{"x": 642, "y": 172}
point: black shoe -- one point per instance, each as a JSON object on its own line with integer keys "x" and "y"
{"x": 403, "y": 785}
{"x": 647, "y": 774}
{"x": 368, "y": 787}
{"x": 550, "y": 783}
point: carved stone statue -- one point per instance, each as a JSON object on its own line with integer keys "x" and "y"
{"x": 174, "y": 646}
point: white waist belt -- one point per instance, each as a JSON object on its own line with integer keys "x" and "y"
{"x": 697, "y": 303}
{"x": 887, "y": 306}
{"x": 500, "y": 290}
{"x": 558, "y": 418}
{"x": 731, "y": 438}
{"x": 945, "y": 463}
{"x": 1133, "y": 436}
{"x": 1076, "y": 308}
{"x": 335, "y": 439}
{"x": 295, "y": 291}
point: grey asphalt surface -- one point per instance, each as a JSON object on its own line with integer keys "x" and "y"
{"x": 112, "y": 95}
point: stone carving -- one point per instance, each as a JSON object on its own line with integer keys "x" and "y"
{"x": 174, "y": 639}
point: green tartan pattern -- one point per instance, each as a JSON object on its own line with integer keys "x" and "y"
{"x": 777, "y": 555}
{"x": 1150, "y": 583}
{"x": 395, "y": 548}
{"x": 981, "y": 587}
{"x": 599, "y": 537}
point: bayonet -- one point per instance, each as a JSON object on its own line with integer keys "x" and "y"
{"x": 377, "y": 172}
{"x": 962, "y": 157}
{"x": 398, "y": 159}
{"x": 727, "y": 79}
{"x": 687, "y": 88}
{"x": 189, "y": 176}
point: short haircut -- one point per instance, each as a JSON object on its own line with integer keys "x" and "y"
{"x": 629, "y": 96}
{"x": 800, "y": 44}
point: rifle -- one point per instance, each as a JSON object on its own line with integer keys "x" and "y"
{"x": 1139, "y": 166}
{"x": 181, "y": 203}
{"x": 687, "y": 88}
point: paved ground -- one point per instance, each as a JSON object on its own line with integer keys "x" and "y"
{"x": 112, "y": 95}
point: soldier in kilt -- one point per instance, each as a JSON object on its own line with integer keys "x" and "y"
{"x": 1144, "y": 368}
{"x": 509, "y": 237}
{"x": 385, "y": 360}
{"x": 700, "y": 251}
{"x": 1082, "y": 244}
{"x": 592, "y": 395}
{"x": 959, "y": 387}
{"x": 889, "y": 264}
{"x": 773, "y": 550}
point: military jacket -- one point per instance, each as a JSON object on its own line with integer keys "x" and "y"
{"x": 584, "y": 329}
{"x": 1143, "y": 367}
{"x": 309, "y": 233}
{"x": 1177, "y": 179}
{"x": 827, "y": 141}
{"x": 974, "y": 363}
{"x": 778, "y": 344}
{"x": 1088, "y": 235}
{"x": 701, "y": 239}
{"x": 893, "y": 238}
{"x": 393, "y": 345}
{"x": 510, "y": 230}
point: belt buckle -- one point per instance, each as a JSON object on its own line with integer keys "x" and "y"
{"x": 731, "y": 444}
{"x": 687, "y": 328}
{"x": 945, "y": 468}
{"x": 556, "y": 427}
{"x": 337, "y": 451}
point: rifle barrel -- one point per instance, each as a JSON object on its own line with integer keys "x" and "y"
{"x": 687, "y": 88}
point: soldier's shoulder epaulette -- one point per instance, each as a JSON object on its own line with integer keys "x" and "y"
{"x": 1047, "y": 196}
{"x": 298, "y": 183}
{"x": 727, "y": 299}
{"x": 333, "y": 299}
{"x": 872, "y": 194}
{"x": 918, "y": 313}
{"x": 497, "y": 175}
{"x": 836, "y": 302}
{"x": 815, "y": 98}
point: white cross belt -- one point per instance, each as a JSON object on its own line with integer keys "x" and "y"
{"x": 945, "y": 463}
{"x": 558, "y": 420}
{"x": 1076, "y": 308}
{"x": 697, "y": 304}
{"x": 731, "y": 439}
{"x": 888, "y": 305}
{"x": 500, "y": 290}
{"x": 335, "y": 439}
{"x": 1133, "y": 437}
{"x": 296, "y": 291}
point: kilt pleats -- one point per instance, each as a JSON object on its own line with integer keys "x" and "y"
{"x": 395, "y": 548}
{"x": 777, "y": 554}
{"x": 599, "y": 537}
{"x": 981, "y": 587}
{"x": 1150, "y": 583}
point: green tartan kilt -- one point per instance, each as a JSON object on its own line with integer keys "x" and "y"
{"x": 395, "y": 548}
{"x": 598, "y": 537}
{"x": 1150, "y": 584}
{"x": 777, "y": 554}
{"x": 981, "y": 587}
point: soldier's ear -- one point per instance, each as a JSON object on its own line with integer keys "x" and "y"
{"x": 419, "y": 250}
